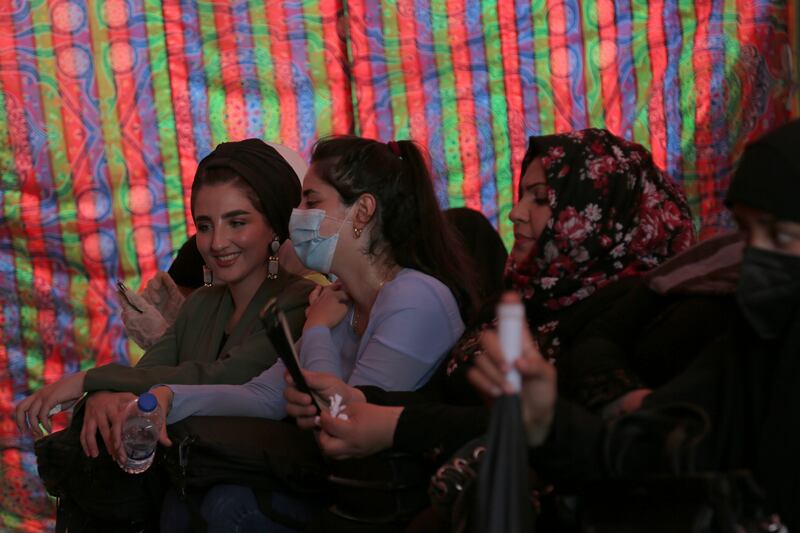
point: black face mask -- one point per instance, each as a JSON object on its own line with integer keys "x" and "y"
{"x": 769, "y": 290}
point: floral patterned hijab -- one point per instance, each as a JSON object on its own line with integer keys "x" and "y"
{"x": 615, "y": 214}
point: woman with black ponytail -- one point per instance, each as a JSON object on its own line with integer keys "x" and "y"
{"x": 405, "y": 288}
{"x": 406, "y": 227}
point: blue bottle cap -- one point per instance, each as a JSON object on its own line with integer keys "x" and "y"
{"x": 147, "y": 402}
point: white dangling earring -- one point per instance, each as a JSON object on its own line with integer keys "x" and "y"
{"x": 272, "y": 262}
{"x": 208, "y": 276}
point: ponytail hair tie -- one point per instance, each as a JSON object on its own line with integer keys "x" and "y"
{"x": 395, "y": 148}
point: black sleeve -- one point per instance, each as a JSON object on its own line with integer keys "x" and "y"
{"x": 437, "y": 430}
{"x": 595, "y": 366}
{"x": 379, "y": 396}
{"x": 430, "y": 428}
{"x": 644, "y": 340}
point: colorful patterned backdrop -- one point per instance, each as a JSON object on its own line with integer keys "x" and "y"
{"x": 106, "y": 106}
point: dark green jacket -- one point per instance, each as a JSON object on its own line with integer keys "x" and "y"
{"x": 189, "y": 352}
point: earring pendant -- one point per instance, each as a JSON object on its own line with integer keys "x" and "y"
{"x": 272, "y": 262}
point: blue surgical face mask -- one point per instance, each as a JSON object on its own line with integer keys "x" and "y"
{"x": 313, "y": 250}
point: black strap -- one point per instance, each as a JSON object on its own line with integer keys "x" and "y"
{"x": 658, "y": 440}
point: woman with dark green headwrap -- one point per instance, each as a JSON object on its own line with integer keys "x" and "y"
{"x": 242, "y": 197}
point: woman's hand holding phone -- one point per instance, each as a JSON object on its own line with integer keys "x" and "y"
{"x": 300, "y": 404}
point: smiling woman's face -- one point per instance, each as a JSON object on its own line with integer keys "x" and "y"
{"x": 532, "y": 212}
{"x": 232, "y": 235}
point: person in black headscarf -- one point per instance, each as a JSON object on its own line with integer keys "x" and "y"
{"x": 242, "y": 197}
{"x": 756, "y": 411}
{"x": 485, "y": 247}
{"x": 186, "y": 270}
{"x": 746, "y": 381}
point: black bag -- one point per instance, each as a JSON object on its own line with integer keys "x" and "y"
{"x": 453, "y": 490}
{"x": 96, "y": 495}
{"x": 269, "y": 455}
{"x": 257, "y": 452}
{"x": 385, "y": 488}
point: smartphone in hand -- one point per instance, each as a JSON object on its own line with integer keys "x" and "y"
{"x": 280, "y": 334}
{"x": 123, "y": 290}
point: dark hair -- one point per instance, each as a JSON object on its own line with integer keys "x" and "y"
{"x": 410, "y": 225}
{"x": 486, "y": 249}
{"x": 186, "y": 269}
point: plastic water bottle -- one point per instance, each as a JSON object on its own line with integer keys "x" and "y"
{"x": 510, "y": 321}
{"x": 140, "y": 433}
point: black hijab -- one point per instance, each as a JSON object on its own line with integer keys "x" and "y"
{"x": 484, "y": 245}
{"x": 265, "y": 170}
{"x": 768, "y": 177}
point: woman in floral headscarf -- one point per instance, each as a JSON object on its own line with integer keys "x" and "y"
{"x": 611, "y": 214}
{"x": 592, "y": 209}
